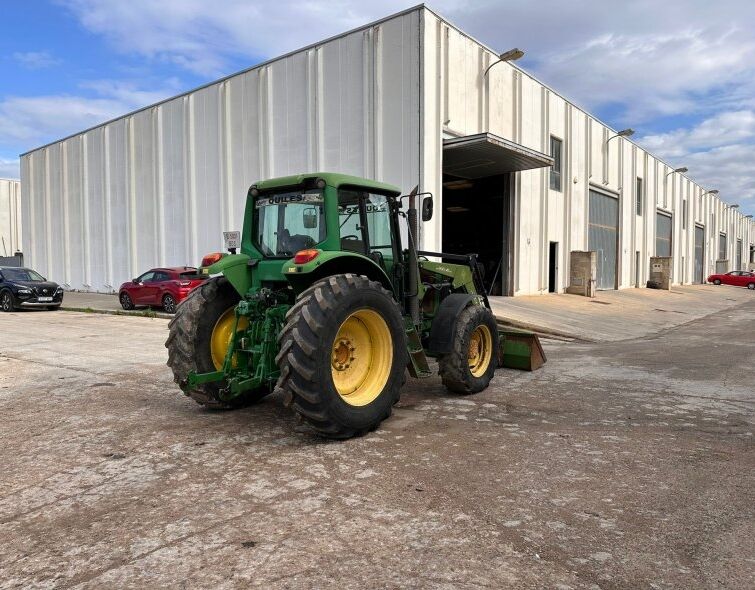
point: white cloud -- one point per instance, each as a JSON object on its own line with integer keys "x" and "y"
{"x": 719, "y": 152}
{"x": 31, "y": 121}
{"x": 204, "y": 37}
{"x": 9, "y": 168}
{"x": 35, "y": 60}
{"x": 731, "y": 127}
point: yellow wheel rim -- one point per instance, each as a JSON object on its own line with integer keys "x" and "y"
{"x": 361, "y": 357}
{"x": 221, "y": 336}
{"x": 480, "y": 350}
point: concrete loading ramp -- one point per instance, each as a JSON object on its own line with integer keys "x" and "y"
{"x": 615, "y": 315}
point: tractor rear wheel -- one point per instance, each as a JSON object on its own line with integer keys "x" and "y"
{"x": 469, "y": 367}
{"x": 200, "y": 332}
{"x": 342, "y": 355}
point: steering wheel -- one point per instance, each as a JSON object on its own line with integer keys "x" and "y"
{"x": 350, "y": 237}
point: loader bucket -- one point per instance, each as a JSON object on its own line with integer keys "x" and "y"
{"x": 519, "y": 349}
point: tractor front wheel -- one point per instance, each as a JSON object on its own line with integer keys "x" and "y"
{"x": 342, "y": 355}
{"x": 469, "y": 367}
{"x": 200, "y": 333}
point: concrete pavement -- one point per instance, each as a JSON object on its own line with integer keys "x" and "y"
{"x": 617, "y": 465}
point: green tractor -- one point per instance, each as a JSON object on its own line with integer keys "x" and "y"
{"x": 324, "y": 303}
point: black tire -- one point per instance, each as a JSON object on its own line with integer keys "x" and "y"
{"x": 307, "y": 351}
{"x": 454, "y": 368}
{"x": 188, "y": 344}
{"x": 717, "y": 282}
{"x": 169, "y": 303}
{"x": 751, "y": 286}
{"x": 6, "y": 301}
{"x": 126, "y": 302}
{"x": 53, "y": 308}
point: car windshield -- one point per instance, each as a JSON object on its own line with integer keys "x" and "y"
{"x": 22, "y": 274}
{"x": 287, "y": 222}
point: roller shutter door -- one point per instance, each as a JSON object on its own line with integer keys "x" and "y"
{"x": 699, "y": 253}
{"x": 602, "y": 237}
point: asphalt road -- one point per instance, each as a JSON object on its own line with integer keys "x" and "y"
{"x": 619, "y": 465}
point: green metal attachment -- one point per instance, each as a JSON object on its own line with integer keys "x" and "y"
{"x": 520, "y": 349}
{"x": 418, "y": 366}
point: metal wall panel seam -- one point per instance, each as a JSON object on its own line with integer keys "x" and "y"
{"x": 564, "y": 262}
{"x": 47, "y": 216}
{"x": 542, "y": 243}
{"x": 160, "y": 227}
{"x": 190, "y": 143}
{"x": 131, "y": 192}
{"x": 320, "y": 104}
{"x": 311, "y": 106}
{"x": 378, "y": 101}
{"x": 224, "y": 138}
{"x": 108, "y": 212}
{"x": 87, "y": 233}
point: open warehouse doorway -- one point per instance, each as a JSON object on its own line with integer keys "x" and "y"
{"x": 480, "y": 204}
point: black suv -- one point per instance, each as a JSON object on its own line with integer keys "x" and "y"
{"x": 22, "y": 287}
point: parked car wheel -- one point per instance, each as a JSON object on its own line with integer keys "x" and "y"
{"x": 6, "y": 301}
{"x": 169, "y": 304}
{"x": 717, "y": 282}
{"x": 751, "y": 286}
{"x": 126, "y": 302}
{"x": 53, "y": 308}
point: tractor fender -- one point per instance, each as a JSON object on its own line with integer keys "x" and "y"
{"x": 301, "y": 276}
{"x": 444, "y": 324}
{"x": 236, "y": 268}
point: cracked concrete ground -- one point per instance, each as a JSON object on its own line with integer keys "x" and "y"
{"x": 620, "y": 465}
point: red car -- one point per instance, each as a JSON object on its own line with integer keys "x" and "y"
{"x": 738, "y": 278}
{"x": 164, "y": 287}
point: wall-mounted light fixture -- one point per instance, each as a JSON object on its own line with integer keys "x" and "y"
{"x": 681, "y": 170}
{"x": 623, "y": 133}
{"x": 510, "y": 55}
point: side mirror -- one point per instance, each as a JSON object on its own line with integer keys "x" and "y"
{"x": 427, "y": 209}
{"x": 136, "y": 281}
{"x": 309, "y": 219}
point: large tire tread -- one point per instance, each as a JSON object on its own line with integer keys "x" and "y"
{"x": 301, "y": 337}
{"x": 453, "y": 367}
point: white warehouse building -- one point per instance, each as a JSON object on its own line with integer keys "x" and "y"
{"x": 519, "y": 174}
{"x": 10, "y": 217}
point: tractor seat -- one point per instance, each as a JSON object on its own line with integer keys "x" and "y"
{"x": 294, "y": 243}
{"x": 353, "y": 246}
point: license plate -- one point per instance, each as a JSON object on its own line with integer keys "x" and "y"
{"x": 44, "y": 299}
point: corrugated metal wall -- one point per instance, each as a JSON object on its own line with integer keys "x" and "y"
{"x": 10, "y": 217}
{"x": 159, "y": 186}
{"x": 458, "y": 100}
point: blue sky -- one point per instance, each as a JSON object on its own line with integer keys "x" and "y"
{"x": 681, "y": 72}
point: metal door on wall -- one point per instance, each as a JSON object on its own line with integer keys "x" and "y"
{"x": 663, "y": 227}
{"x": 699, "y": 253}
{"x": 602, "y": 236}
